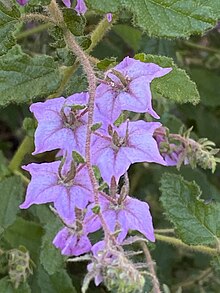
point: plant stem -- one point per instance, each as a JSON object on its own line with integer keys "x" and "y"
{"x": 101, "y": 29}
{"x": 192, "y": 281}
{"x": 36, "y": 17}
{"x": 150, "y": 263}
{"x": 164, "y": 231}
{"x": 32, "y": 31}
{"x": 201, "y": 47}
{"x": 179, "y": 243}
{"x": 25, "y": 147}
{"x": 87, "y": 67}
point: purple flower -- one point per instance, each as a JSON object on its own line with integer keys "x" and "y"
{"x": 81, "y": 7}
{"x": 172, "y": 153}
{"x": 109, "y": 17}
{"x": 66, "y": 189}
{"x": 129, "y": 143}
{"x": 70, "y": 243}
{"x": 67, "y": 3}
{"x": 127, "y": 214}
{"x": 22, "y": 2}
{"x": 60, "y": 125}
{"x": 127, "y": 87}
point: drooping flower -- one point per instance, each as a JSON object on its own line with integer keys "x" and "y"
{"x": 65, "y": 188}
{"x": 127, "y": 87}
{"x": 22, "y": 2}
{"x": 70, "y": 243}
{"x": 80, "y": 7}
{"x": 126, "y": 214}
{"x": 129, "y": 143}
{"x": 61, "y": 124}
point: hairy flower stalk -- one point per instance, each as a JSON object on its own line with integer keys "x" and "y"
{"x": 78, "y": 51}
{"x": 180, "y": 148}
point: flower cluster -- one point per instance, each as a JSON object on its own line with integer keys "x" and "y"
{"x": 67, "y": 184}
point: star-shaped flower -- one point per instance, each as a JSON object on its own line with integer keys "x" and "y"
{"x": 127, "y": 214}
{"x": 129, "y": 143}
{"x": 61, "y": 124}
{"x": 127, "y": 87}
{"x": 66, "y": 189}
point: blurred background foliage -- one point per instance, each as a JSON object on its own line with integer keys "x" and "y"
{"x": 181, "y": 270}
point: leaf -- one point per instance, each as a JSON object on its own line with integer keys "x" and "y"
{"x": 166, "y": 18}
{"x": 130, "y": 35}
{"x": 23, "y": 78}
{"x": 11, "y": 192}
{"x": 172, "y": 19}
{"x": 74, "y": 22}
{"x": 208, "y": 85}
{"x": 176, "y": 85}
{"x": 56, "y": 283}
{"x": 50, "y": 257}
{"x": 196, "y": 223}
{"x": 7, "y": 287}
{"x": 9, "y": 16}
{"x": 27, "y": 234}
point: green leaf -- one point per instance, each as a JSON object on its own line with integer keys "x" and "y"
{"x": 208, "y": 85}
{"x": 50, "y": 256}
{"x": 176, "y": 85}
{"x": 106, "y": 63}
{"x": 27, "y": 234}
{"x": 9, "y": 16}
{"x": 7, "y": 287}
{"x": 23, "y": 78}
{"x": 104, "y": 6}
{"x": 166, "y": 18}
{"x": 11, "y": 193}
{"x": 130, "y": 35}
{"x": 56, "y": 283}
{"x": 4, "y": 170}
{"x": 195, "y": 222}
{"x": 74, "y": 22}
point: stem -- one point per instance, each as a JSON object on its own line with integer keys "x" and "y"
{"x": 32, "y": 31}
{"x": 164, "y": 231}
{"x": 201, "y": 47}
{"x": 25, "y": 147}
{"x": 84, "y": 60}
{"x": 150, "y": 263}
{"x": 101, "y": 29}
{"x": 36, "y": 17}
{"x": 193, "y": 281}
{"x": 180, "y": 244}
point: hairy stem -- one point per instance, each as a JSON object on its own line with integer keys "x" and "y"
{"x": 33, "y": 30}
{"x": 150, "y": 263}
{"x": 101, "y": 29}
{"x": 36, "y": 17}
{"x": 87, "y": 67}
{"x": 26, "y": 147}
{"x": 201, "y": 47}
{"x": 180, "y": 244}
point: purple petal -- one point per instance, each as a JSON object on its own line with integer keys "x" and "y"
{"x": 67, "y": 3}
{"x": 22, "y": 2}
{"x": 43, "y": 187}
{"x": 138, "y": 97}
{"x": 135, "y": 68}
{"x": 109, "y": 17}
{"x": 107, "y": 103}
{"x": 80, "y": 7}
{"x": 138, "y": 217}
